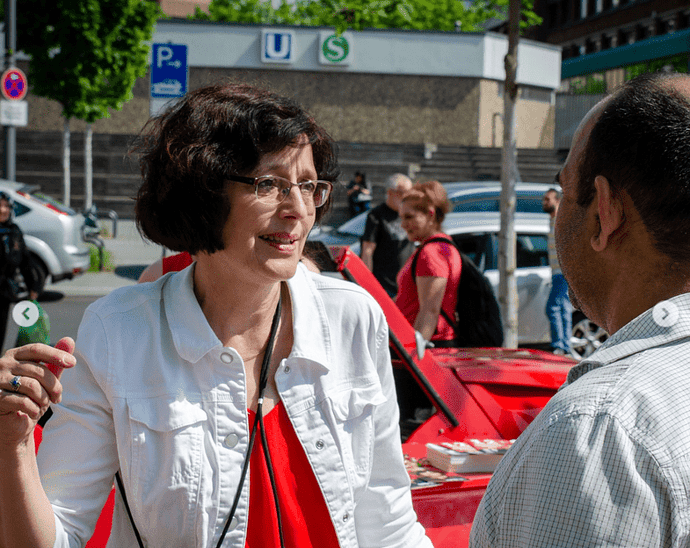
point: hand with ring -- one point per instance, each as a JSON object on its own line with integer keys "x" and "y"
{"x": 29, "y": 383}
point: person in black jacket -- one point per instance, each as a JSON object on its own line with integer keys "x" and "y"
{"x": 13, "y": 257}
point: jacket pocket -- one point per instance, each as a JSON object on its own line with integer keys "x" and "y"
{"x": 353, "y": 411}
{"x": 166, "y": 452}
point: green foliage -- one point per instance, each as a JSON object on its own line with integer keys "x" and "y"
{"x": 592, "y": 84}
{"x": 86, "y": 54}
{"x": 444, "y": 15}
{"x": 676, "y": 63}
{"x": 95, "y": 260}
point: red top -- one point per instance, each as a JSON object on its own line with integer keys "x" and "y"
{"x": 176, "y": 262}
{"x": 303, "y": 511}
{"x": 436, "y": 260}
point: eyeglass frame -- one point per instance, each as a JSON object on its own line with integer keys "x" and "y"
{"x": 253, "y": 181}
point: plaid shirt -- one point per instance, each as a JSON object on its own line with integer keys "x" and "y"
{"x": 607, "y": 462}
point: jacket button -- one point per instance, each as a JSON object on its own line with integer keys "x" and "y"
{"x": 346, "y": 516}
{"x": 320, "y": 445}
{"x": 286, "y": 368}
{"x": 226, "y": 357}
{"x": 231, "y": 440}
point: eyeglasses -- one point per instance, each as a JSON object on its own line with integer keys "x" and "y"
{"x": 273, "y": 189}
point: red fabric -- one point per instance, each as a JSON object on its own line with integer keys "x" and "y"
{"x": 304, "y": 514}
{"x": 176, "y": 262}
{"x": 436, "y": 260}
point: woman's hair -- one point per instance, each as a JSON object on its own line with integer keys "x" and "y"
{"x": 429, "y": 194}
{"x": 187, "y": 152}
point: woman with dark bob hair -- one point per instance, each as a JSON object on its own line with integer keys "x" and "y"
{"x": 243, "y": 401}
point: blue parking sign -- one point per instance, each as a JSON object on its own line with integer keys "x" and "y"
{"x": 168, "y": 70}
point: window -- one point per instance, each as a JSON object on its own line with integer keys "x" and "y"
{"x": 20, "y": 209}
{"x": 476, "y": 246}
{"x": 525, "y": 204}
{"x": 531, "y": 250}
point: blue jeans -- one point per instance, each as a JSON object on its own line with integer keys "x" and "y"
{"x": 560, "y": 314}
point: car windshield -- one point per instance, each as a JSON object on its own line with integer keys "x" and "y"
{"x": 354, "y": 226}
{"x": 48, "y": 201}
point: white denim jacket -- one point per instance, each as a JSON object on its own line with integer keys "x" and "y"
{"x": 156, "y": 396}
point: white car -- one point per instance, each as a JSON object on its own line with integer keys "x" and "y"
{"x": 476, "y": 234}
{"x": 54, "y": 234}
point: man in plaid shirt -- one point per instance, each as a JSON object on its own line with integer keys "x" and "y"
{"x": 607, "y": 462}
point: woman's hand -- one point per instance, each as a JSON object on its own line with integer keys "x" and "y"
{"x": 29, "y": 383}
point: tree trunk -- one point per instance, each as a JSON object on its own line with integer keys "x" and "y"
{"x": 507, "y": 291}
{"x": 88, "y": 166}
{"x": 66, "y": 176}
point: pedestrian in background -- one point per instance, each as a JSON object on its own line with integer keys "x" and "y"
{"x": 385, "y": 245}
{"x": 14, "y": 259}
{"x": 558, "y": 307}
{"x": 434, "y": 283}
{"x": 358, "y": 194}
{"x": 178, "y": 378}
{"x": 606, "y": 462}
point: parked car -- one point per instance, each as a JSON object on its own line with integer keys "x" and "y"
{"x": 476, "y": 233}
{"x": 54, "y": 233}
{"x": 447, "y": 395}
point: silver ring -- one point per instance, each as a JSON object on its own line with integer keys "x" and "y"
{"x": 16, "y": 383}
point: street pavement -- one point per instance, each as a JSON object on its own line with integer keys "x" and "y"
{"x": 130, "y": 255}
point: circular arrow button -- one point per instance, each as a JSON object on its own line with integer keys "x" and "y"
{"x": 25, "y": 313}
{"x": 665, "y": 314}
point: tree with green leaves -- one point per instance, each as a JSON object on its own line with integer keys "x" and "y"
{"x": 86, "y": 55}
{"x": 445, "y": 15}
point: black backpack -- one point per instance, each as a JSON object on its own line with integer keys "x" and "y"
{"x": 477, "y": 317}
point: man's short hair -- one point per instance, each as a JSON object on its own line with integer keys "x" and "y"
{"x": 556, "y": 191}
{"x": 394, "y": 180}
{"x": 641, "y": 144}
{"x": 187, "y": 152}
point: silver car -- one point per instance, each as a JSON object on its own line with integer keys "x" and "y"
{"x": 53, "y": 233}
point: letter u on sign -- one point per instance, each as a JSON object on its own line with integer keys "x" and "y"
{"x": 277, "y": 46}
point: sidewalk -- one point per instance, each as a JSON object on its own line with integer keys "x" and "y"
{"x": 130, "y": 254}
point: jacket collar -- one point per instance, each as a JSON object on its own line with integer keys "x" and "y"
{"x": 193, "y": 337}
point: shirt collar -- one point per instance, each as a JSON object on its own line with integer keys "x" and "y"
{"x": 640, "y": 334}
{"x": 190, "y": 331}
{"x": 193, "y": 337}
{"x": 312, "y": 338}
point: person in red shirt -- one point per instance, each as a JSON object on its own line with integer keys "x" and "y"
{"x": 434, "y": 284}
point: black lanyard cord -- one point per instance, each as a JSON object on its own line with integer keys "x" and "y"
{"x": 258, "y": 418}
{"x": 271, "y": 475}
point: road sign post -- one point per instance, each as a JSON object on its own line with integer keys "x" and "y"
{"x": 169, "y": 74}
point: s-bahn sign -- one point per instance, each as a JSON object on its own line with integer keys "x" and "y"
{"x": 335, "y": 49}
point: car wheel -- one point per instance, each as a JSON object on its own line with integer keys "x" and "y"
{"x": 40, "y": 268}
{"x": 587, "y": 336}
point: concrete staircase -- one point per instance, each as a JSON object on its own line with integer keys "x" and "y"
{"x": 449, "y": 164}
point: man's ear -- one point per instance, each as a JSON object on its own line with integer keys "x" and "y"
{"x": 609, "y": 213}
